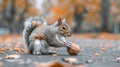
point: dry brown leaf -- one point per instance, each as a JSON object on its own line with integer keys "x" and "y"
{"x": 103, "y": 49}
{"x": 1, "y": 58}
{"x": 97, "y": 54}
{"x": 49, "y": 64}
{"x": 1, "y": 52}
{"x": 54, "y": 55}
{"x": 69, "y": 60}
{"x": 7, "y": 48}
{"x": 17, "y": 49}
{"x": 57, "y": 64}
{"x": 24, "y": 50}
{"x": 2, "y": 49}
{"x": 14, "y": 56}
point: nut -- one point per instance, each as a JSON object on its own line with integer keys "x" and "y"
{"x": 74, "y": 49}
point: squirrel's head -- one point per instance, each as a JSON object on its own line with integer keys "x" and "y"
{"x": 64, "y": 28}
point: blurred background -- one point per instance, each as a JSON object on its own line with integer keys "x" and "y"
{"x": 84, "y": 16}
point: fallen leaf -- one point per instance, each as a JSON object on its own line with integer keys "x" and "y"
{"x": 14, "y": 56}
{"x": 69, "y": 60}
{"x": 57, "y": 64}
{"x": 54, "y": 55}
{"x": 1, "y": 52}
{"x": 103, "y": 49}
{"x": 7, "y": 48}
{"x": 2, "y": 49}
{"x": 97, "y": 54}
{"x": 24, "y": 50}
{"x": 17, "y": 49}
{"x": 1, "y": 58}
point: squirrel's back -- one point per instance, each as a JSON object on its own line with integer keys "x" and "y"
{"x": 30, "y": 24}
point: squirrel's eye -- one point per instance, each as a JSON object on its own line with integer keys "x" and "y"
{"x": 64, "y": 28}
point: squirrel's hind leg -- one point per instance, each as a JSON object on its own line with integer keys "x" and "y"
{"x": 38, "y": 47}
{"x": 46, "y": 49}
{"x": 34, "y": 47}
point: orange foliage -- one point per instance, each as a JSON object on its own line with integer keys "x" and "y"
{"x": 115, "y": 11}
{"x": 62, "y": 10}
{"x": 66, "y": 9}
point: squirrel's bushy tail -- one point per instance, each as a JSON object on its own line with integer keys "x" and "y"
{"x": 29, "y": 25}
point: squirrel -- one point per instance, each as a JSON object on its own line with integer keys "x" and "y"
{"x": 39, "y": 36}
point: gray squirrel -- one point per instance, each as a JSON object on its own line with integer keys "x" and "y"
{"x": 39, "y": 36}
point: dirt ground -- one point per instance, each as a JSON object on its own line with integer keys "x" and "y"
{"x": 96, "y": 51}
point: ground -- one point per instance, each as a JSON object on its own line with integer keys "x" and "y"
{"x": 96, "y": 50}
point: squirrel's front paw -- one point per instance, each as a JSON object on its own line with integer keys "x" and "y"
{"x": 36, "y": 52}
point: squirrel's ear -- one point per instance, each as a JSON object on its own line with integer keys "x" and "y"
{"x": 59, "y": 21}
{"x": 64, "y": 20}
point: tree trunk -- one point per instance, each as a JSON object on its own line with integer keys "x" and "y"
{"x": 9, "y": 15}
{"x": 22, "y": 18}
{"x": 105, "y": 15}
{"x": 78, "y": 19}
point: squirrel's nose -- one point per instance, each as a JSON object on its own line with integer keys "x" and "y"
{"x": 70, "y": 34}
